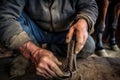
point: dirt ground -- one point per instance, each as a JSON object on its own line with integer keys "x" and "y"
{"x": 92, "y": 68}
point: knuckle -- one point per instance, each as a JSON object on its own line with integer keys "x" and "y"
{"x": 55, "y": 59}
{"x": 86, "y": 34}
{"x": 45, "y": 58}
{"x": 38, "y": 70}
{"x": 53, "y": 65}
{"x": 40, "y": 66}
{"x": 79, "y": 42}
{"x": 51, "y": 54}
{"x": 78, "y": 24}
{"x": 85, "y": 37}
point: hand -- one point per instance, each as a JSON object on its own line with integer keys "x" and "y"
{"x": 79, "y": 29}
{"x": 45, "y": 62}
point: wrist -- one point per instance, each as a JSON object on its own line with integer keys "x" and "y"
{"x": 31, "y": 47}
{"x": 27, "y": 49}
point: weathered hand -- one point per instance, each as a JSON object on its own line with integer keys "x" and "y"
{"x": 79, "y": 29}
{"x": 45, "y": 62}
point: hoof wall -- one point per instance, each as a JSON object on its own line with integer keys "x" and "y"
{"x": 101, "y": 53}
{"x": 115, "y": 48}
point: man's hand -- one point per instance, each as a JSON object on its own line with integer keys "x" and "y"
{"x": 80, "y": 30}
{"x": 45, "y": 62}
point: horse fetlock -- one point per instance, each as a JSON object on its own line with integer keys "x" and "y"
{"x": 99, "y": 44}
{"x": 101, "y": 28}
{"x": 114, "y": 26}
{"x": 112, "y": 41}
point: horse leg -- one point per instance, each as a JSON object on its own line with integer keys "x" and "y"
{"x": 112, "y": 39}
{"x": 103, "y": 7}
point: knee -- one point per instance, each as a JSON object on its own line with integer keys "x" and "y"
{"x": 88, "y": 48}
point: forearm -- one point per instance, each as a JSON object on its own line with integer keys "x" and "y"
{"x": 87, "y": 10}
{"x": 28, "y": 49}
{"x": 11, "y": 34}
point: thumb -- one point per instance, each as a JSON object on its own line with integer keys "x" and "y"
{"x": 69, "y": 35}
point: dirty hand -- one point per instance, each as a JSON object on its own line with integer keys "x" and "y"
{"x": 80, "y": 30}
{"x": 45, "y": 62}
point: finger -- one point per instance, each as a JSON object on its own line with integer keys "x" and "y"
{"x": 57, "y": 70}
{"x": 43, "y": 71}
{"x": 78, "y": 48}
{"x": 51, "y": 72}
{"x": 79, "y": 42}
{"x": 57, "y": 61}
{"x": 85, "y": 38}
{"x": 47, "y": 69}
{"x": 52, "y": 67}
{"x": 69, "y": 35}
{"x": 41, "y": 74}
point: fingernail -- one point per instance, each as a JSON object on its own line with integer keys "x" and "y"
{"x": 61, "y": 74}
{"x": 67, "y": 40}
{"x": 60, "y": 63}
{"x": 76, "y": 52}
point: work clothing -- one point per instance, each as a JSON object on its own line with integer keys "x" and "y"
{"x": 55, "y": 42}
{"x": 54, "y": 16}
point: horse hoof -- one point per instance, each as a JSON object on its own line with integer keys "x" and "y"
{"x": 115, "y": 48}
{"x": 101, "y": 53}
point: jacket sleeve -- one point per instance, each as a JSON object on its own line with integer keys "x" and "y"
{"x": 88, "y": 10}
{"x": 11, "y": 33}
